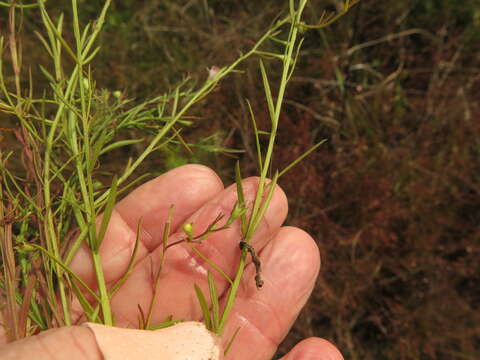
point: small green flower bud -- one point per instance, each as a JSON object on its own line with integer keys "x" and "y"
{"x": 188, "y": 229}
{"x": 86, "y": 83}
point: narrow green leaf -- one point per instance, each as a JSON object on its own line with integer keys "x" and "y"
{"x": 85, "y": 32}
{"x": 209, "y": 262}
{"x": 257, "y": 140}
{"x": 94, "y": 315}
{"x": 267, "y": 55}
{"x": 265, "y": 203}
{"x": 66, "y": 269}
{"x": 185, "y": 145}
{"x": 53, "y": 31}
{"x": 268, "y": 92}
{"x": 131, "y": 262}
{"x": 99, "y": 202}
{"x": 295, "y": 58}
{"x": 44, "y": 42}
{"x": 47, "y": 74}
{"x": 167, "y": 229}
{"x": 87, "y": 308}
{"x": 92, "y": 55}
{"x": 301, "y": 157}
{"x": 204, "y": 306}
{"x": 175, "y": 103}
{"x": 214, "y": 299}
{"x": 156, "y": 282}
{"x": 97, "y": 27}
{"x": 165, "y": 324}
{"x": 230, "y": 343}
{"x": 107, "y": 213}
{"x": 119, "y": 144}
{"x": 282, "y": 42}
{"x": 241, "y": 196}
{"x": 19, "y": 6}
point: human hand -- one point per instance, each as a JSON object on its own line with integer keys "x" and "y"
{"x": 289, "y": 256}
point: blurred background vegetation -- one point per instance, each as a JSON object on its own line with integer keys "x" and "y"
{"x": 393, "y": 197}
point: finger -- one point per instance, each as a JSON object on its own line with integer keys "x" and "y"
{"x": 186, "y": 340}
{"x": 73, "y": 343}
{"x": 314, "y": 349}
{"x": 290, "y": 264}
{"x": 183, "y": 268}
{"x": 187, "y": 188}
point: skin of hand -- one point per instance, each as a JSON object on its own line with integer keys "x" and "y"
{"x": 289, "y": 256}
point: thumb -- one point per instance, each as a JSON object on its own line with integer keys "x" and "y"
{"x": 189, "y": 340}
{"x": 314, "y": 348}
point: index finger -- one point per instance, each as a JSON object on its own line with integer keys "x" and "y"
{"x": 187, "y": 188}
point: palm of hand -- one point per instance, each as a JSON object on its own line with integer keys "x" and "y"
{"x": 290, "y": 261}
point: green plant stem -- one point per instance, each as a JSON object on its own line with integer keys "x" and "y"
{"x": 254, "y": 220}
{"x": 203, "y": 91}
{"x": 104, "y": 298}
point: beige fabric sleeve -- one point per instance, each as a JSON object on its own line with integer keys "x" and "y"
{"x": 184, "y": 341}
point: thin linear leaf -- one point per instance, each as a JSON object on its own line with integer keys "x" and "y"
{"x": 214, "y": 300}
{"x": 295, "y": 58}
{"x": 19, "y": 6}
{"x": 66, "y": 269}
{"x": 270, "y": 55}
{"x": 230, "y": 342}
{"x": 131, "y": 262}
{"x": 165, "y": 324}
{"x": 301, "y": 157}
{"x": 166, "y": 235}
{"x": 90, "y": 312}
{"x": 257, "y": 140}
{"x": 266, "y": 202}
{"x": 209, "y": 262}
{"x": 53, "y": 32}
{"x": 207, "y": 319}
{"x": 282, "y": 42}
{"x": 91, "y": 56}
{"x": 175, "y": 103}
{"x": 241, "y": 196}
{"x": 106, "y": 214}
{"x": 185, "y": 145}
{"x": 86, "y": 30}
{"x": 118, "y": 144}
{"x": 268, "y": 92}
